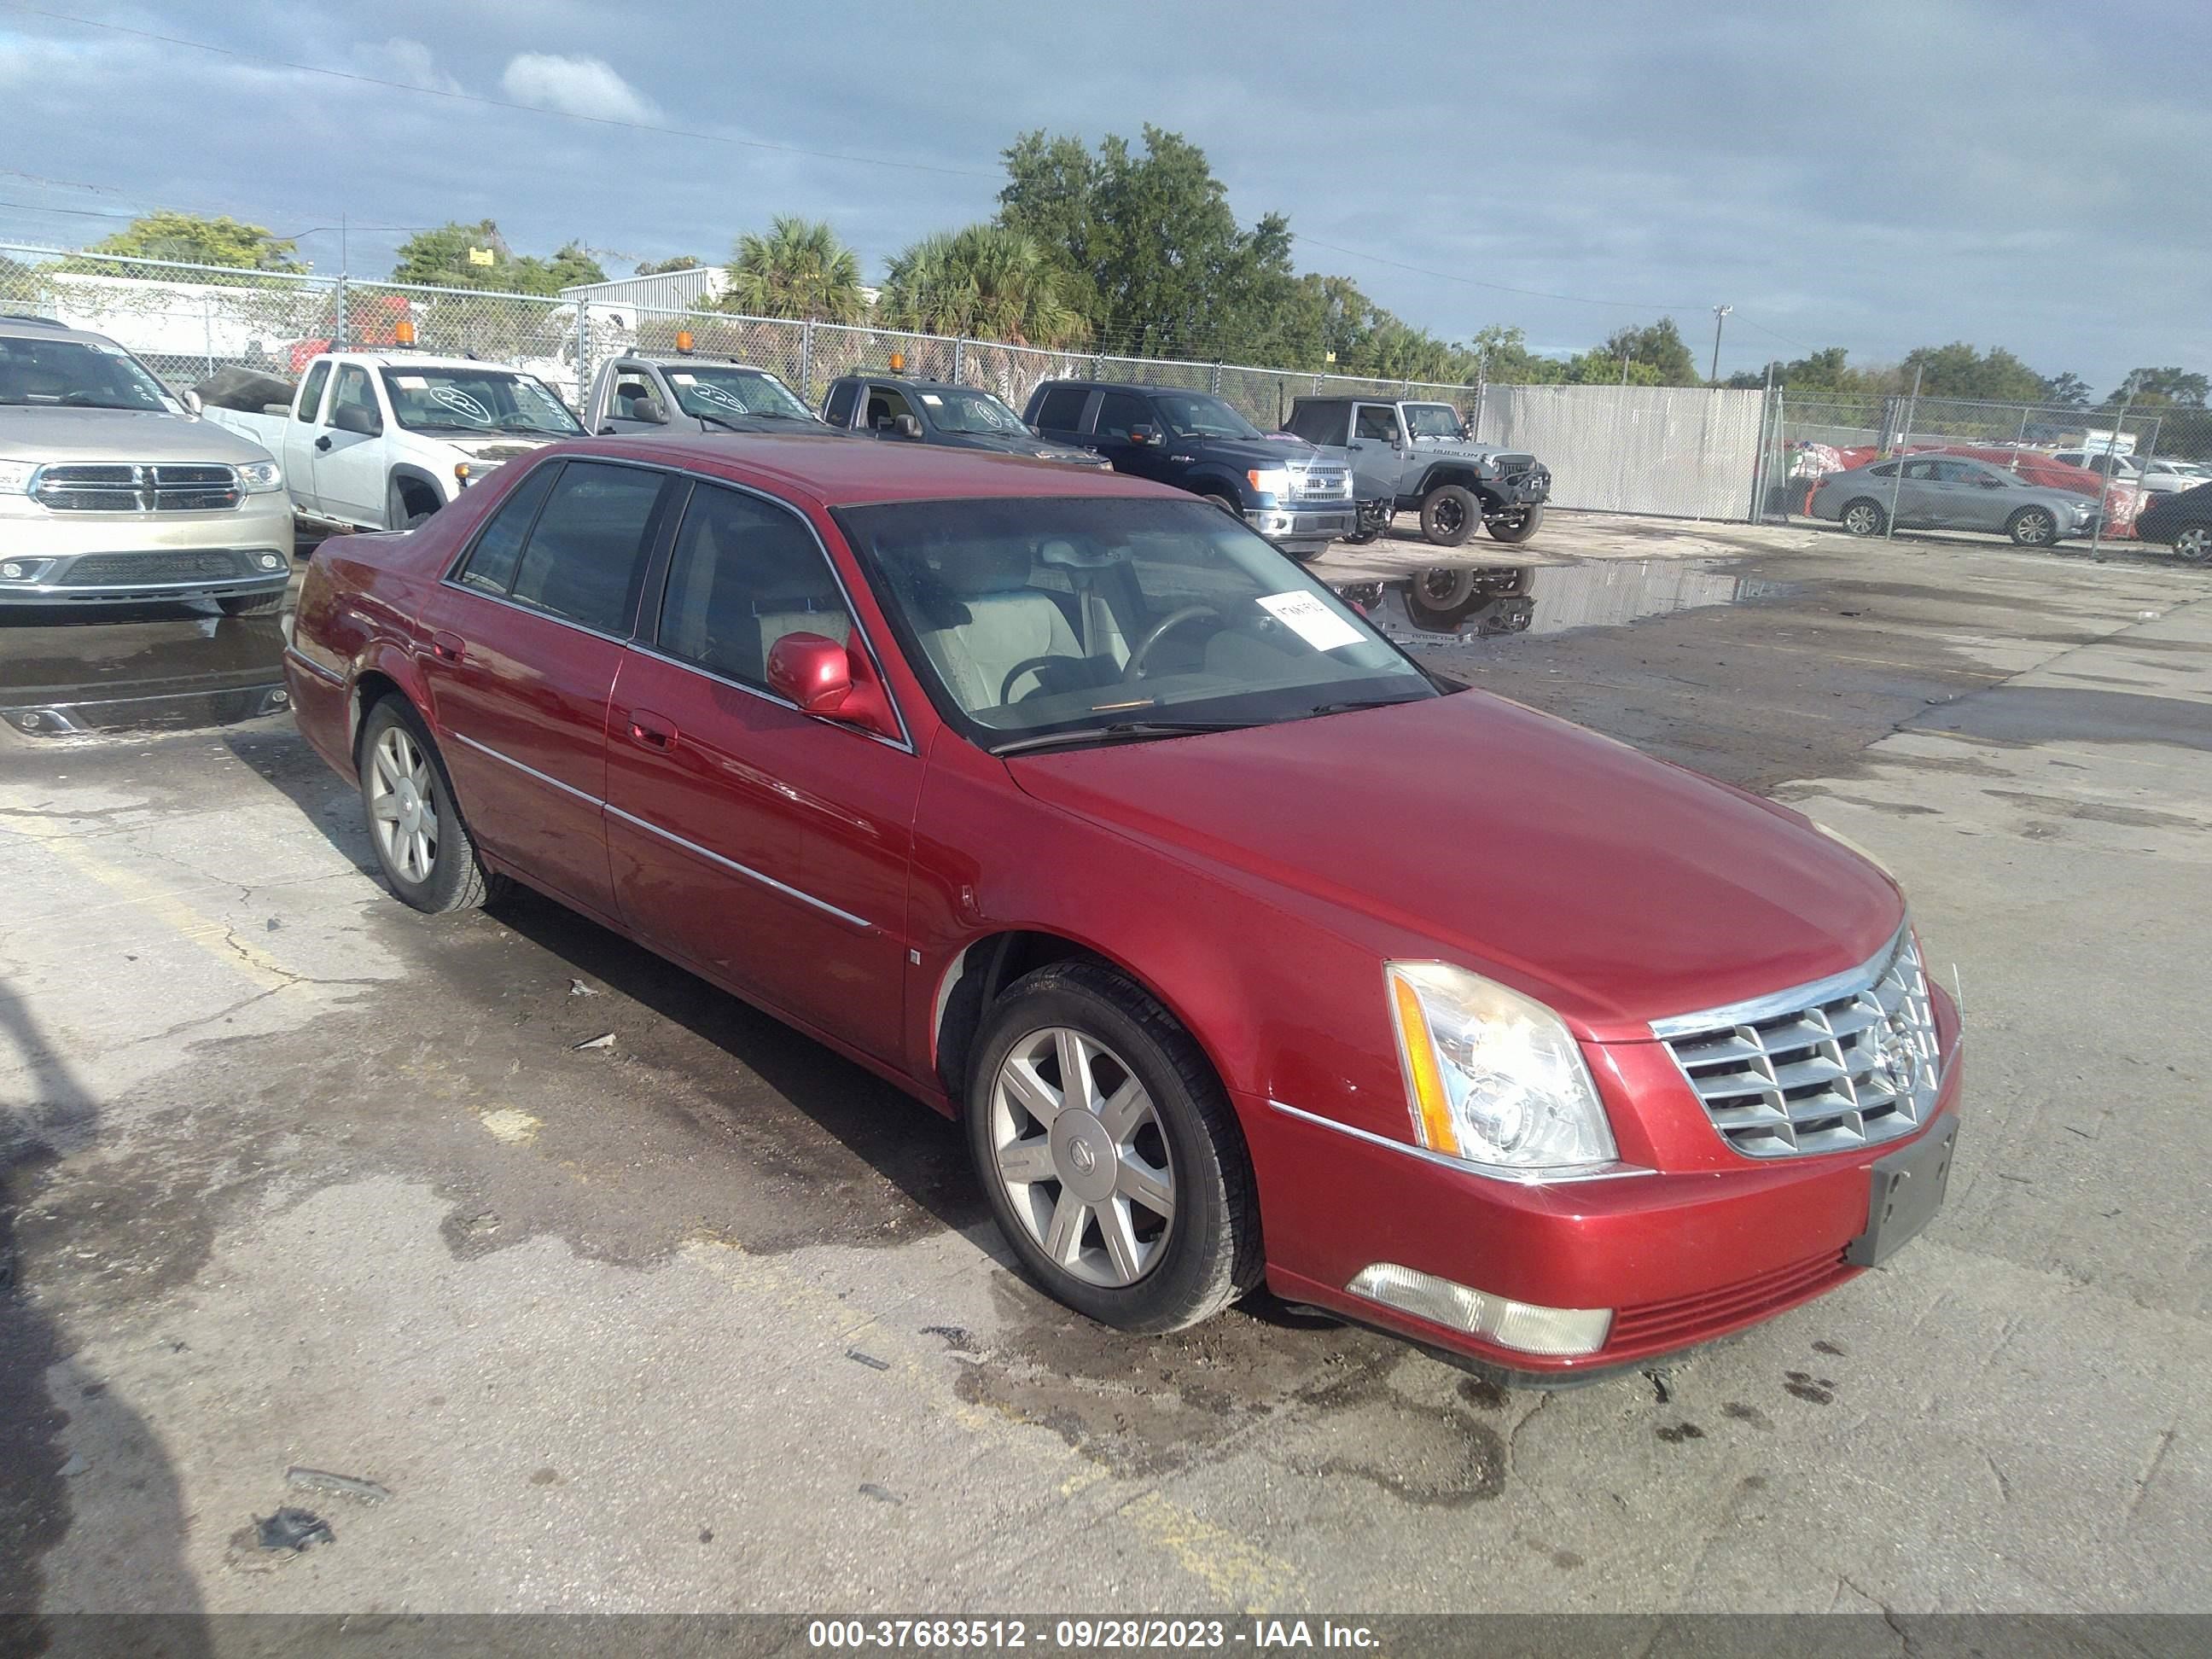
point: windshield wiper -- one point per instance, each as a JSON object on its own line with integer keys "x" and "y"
{"x": 1120, "y": 730}
{"x": 1346, "y": 708}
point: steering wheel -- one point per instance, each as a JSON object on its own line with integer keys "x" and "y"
{"x": 1007, "y": 685}
{"x": 1173, "y": 620}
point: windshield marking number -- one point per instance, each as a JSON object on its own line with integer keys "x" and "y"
{"x": 1310, "y": 620}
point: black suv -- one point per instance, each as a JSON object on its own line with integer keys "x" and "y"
{"x": 1298, "y": 496}
{"x": 936, "y": 412}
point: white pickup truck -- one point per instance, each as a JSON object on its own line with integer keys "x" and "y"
{"x": 381, "y": 440}
{"x": 632, "y": 393}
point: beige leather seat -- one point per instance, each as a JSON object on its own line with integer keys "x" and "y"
{"x": 990, "y": 620}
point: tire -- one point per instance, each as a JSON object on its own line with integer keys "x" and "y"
{"x": 398, "y": 514}
{"x": 253, "y": 604}
{"x": 2193, "y": 544}
{"x": 1449, "y": 515}
{"x": 1862, "y": 516}
{"x": 1178, "y": 1141}
{"x": 2032, "y": 527}
{"x": 454, "y": 878}
{"x": 1227, "y": 506}
{"x": 1525, "y": 522}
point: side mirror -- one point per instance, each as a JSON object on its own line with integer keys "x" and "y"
{"x": 650, "y": 409}
{"x": 191, "y": 401}
{"x": 352, "y": 417}
{"x": 908, "y": 426}
{"x": 817, "y": 674}
{"x": 1142, "y": 435}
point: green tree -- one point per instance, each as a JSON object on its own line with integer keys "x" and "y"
{"x": 799, "y": 268}
{"x": 985, "y": 281}
{"x": 2170, "y": 388}
{"x": 662, "y": 267}
{"x": 1958, "y": 370}
{"x": 194, "y": 239}
{"x": 1660, "y": 346}
{"x": 2066, "y": 390}
{"x": 441, "y": 258}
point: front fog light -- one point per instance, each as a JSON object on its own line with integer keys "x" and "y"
{"x": 271, "y": 562}
{"x": 12, "y": 571}
{"x": 1559, "y": 1333}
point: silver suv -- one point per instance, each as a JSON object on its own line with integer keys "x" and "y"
{"x": 113, "y": 488}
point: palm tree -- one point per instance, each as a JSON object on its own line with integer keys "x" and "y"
{"x": 986, "y": 281}
{"x": 799, "y": 269}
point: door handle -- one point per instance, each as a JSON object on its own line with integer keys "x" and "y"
{"x": 323, "y": 442}
{"x": 448, "y": 647}
{"x": 651, "y": 731}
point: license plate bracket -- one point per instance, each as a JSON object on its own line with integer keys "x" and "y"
{"x": 1906, "y": 1191}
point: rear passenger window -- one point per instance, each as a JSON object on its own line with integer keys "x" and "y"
{"x": 1060, "y": 410}
{"x": 840, "y": 409}
{"x": 1319, "y": 423}
{"x": 585, "y": 559}
{"x": 498, "y": 550}
{"x": 744, "y": 574}
{"x": 311, "y": 391}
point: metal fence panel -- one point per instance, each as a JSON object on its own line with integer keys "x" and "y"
{"x": 1679, "y": 451}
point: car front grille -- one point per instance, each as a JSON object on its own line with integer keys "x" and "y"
{"x": 1514, "y": 466}
{"x": 117, "y": 487}
{"x": 1321, "y": 483}
{"x": 1851, "y": 1061}
{"x": 134, "y": 569}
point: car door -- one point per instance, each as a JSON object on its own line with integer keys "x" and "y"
{"x": 525, "y": 637}
{"x": 349, "y": 465}
{"x": 767, "y": 848}
{"x": 886, "y": 404}
{"x": 844, "y": 399}
{"x": 301, "y": 433}
{"x": 1121, "y": 413}
{"x": 1916, "y": 501}
{"x": 1377, "y": 448}
{"x": 635, "y": 388}
{"x": 1974, "y": 496}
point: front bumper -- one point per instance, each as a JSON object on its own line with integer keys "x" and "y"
{"x": 1525, "y": 489}
{"x": 1300, "y": 526}
{"x": 1680, "y": 1258}
{"x": 71, "y": 558}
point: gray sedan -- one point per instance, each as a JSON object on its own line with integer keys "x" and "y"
{"x": 1945, "y": 492}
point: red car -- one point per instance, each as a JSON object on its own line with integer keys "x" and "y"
{"x": 1246, "y": 950}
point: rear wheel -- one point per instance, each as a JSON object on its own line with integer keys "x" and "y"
{"x": 1449, "y": 514}
{"x": 1517, "y": 526}
{"x": 2032, "y": 527}
{"x": 1863, "y": 516}
{"x": 1112, "y": 1162}
{"x": 423, "y": 847}
{"x": 2193, "y": 544}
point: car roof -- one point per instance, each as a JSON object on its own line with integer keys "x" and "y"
{"x": 888, "y": 379}
{"x": 1125, "y": 386}
{"x": 23, "y": 325}
{"x": 420, "y": 360}
{"x": 837, "y": 470}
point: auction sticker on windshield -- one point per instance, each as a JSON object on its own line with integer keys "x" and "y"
{"x": 461, "y": 404}
{"x": 410, "y": 382}
{"x": 1310, "y": 620}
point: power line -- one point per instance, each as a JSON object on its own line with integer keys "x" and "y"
{"x": 499, "y": 103}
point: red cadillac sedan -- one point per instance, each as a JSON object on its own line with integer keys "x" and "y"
{"x": 1246, "y": 950}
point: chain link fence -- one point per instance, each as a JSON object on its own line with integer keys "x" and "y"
{"x": 1674, "y": 452}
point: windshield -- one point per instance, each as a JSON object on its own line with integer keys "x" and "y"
{"x": 75, "y": 374}
{"x": 476, "y": 400}
{"x": 1195, "y": 415}
{"x": 1035, "y": 616}
{"x": 1432, "y": 420}
{"x": 972, "y": 412}
{"x": 716, "y": 391}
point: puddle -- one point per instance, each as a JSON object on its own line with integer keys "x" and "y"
{"x": 1449, "y": 603}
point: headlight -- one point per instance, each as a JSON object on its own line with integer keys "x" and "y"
{"x": 1270, "y": 480}
{"x": 15, "y": 476}
{"x": 260, "y": 477}
{"x": 1493, "y": 1078}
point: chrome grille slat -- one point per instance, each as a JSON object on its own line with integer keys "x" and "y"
{"x": 121, "y": 487}
{"x": 1853, "y": 1064}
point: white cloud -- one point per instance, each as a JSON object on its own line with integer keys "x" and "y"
{"x": 410, "y": 61}
{"x": 575, "y": 85}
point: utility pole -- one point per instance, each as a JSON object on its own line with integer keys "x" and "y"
{"x": 1720, "y": 313}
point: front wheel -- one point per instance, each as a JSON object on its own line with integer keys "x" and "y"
{"x": 421, "y": 844}
{"x": 2032, "y": 527}
{"x": 1227, "y": 506}
{"x": 1863, "y": 516}
{"x": 1449, "y": 514}
{"x": 2193, "y": 544}
{"x": 1111, "y": 1157}
{"x": 1517, "y": 526}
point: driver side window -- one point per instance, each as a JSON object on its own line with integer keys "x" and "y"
{"x": 1118, "y": 411}
{"x": 1376, "y": 420}
{"x": 354, "y": 392}
{"x": 886, "y": 404}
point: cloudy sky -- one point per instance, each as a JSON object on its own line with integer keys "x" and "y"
{"x": 1870, "y": 174}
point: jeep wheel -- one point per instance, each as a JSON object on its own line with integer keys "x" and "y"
{"x": 1449, "y": 514}
{"x": 1516, "y": 526}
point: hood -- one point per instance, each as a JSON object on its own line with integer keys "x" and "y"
{"x": 506, "y": 449}
{"x": 1012, "y": 443}
{"x": 1246, "y": 452}
{"x": 1616, "y": 888}
{"x": 123, "y": 435}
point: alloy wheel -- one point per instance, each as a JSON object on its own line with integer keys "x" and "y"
{"x": 1078, "y": 1146}
{"x": 2195, "y": 544}
{"x": 402, "y": 803}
